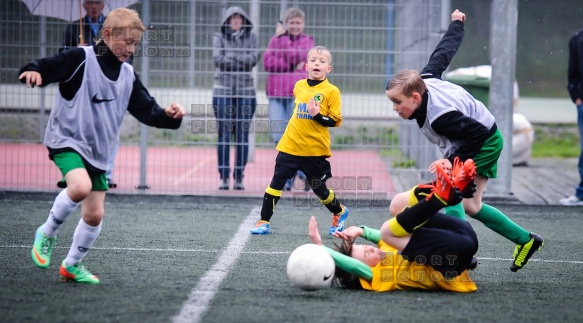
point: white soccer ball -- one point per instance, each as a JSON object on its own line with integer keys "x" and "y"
{"x": 310, "y": 267}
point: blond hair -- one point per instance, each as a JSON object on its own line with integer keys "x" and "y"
{"x": 409, "y": 81}
{"x": 122, "y": 18}
{"x": 320, "y": 50}
{"x": 292, "y": 13}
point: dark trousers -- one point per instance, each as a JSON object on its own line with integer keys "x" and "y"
{"x": 233, "y": 117}
{"x": 444, "y": 242}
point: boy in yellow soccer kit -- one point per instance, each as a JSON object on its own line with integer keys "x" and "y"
{"x": 420, "y": 248}
{"x": 305, "y": 144}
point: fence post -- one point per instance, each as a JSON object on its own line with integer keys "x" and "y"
{"x": 145, "y": 80}
{"x": 42, "y": 53}
{"x": 254, "y": 12}
{"x": 504, "y": 16}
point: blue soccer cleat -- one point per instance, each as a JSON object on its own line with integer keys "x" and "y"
{"x": 338, "y": 221}
{"x": 262, "y": 227}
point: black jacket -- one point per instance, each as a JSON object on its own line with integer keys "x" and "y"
{"x": 71, "y": 37}
{"x": 575, "y": 69}
{"x": 453, "y": 125}
{"x": 63, "y": 69}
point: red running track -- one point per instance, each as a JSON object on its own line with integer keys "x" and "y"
{"x": 193, "y": 171}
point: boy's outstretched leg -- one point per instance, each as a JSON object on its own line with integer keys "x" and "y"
{"x": 522, "y": 253}
{"x": 443, "y": 193}
{"x": 45, "y": 237}
{"x": 527, "y": 243}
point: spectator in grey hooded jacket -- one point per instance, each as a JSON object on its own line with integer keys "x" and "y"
{"x": 234, "y": 55}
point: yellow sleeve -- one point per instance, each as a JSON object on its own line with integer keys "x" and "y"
{"x": 335, "y": 107}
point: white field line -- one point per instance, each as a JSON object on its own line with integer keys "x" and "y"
{"x": 552, "y": 261}
{"x": 157, "y": 249}
{"x": 203, "y": 293}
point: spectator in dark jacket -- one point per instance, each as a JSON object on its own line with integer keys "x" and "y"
{"x": 92, "y": 23}
{"x": 234, "y": 102}
{"x": 575, "y": 86}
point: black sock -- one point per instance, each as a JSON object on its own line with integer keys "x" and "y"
{"x": 331, "y": 203}
{"x": 416, "y": 215}
{"x": 269, "y": 202}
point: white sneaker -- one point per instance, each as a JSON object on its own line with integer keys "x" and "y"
{"x": 224, "y": 184}
{"x": 572, "y": 201}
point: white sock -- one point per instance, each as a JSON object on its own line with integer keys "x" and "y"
{"x": 63, "y": 206}
{"x": 83, "y": 239}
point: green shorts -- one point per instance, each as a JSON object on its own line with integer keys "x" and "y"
{"x": 487, "y": 159}
{"x": 67, "y": 161}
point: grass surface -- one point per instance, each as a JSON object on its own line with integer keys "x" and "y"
{"x": 154, "y": 250}
{"x": 556, "y": 141}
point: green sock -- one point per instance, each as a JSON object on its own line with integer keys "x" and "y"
{"x": 457, "y": 211}
{"x": 501, "y": 224}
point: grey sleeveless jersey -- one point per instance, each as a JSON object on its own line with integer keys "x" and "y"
{"x": 446, "y": 97}
{"x": 90, "y": 123}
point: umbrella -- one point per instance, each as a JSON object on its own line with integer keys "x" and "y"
{"x": 69, "y": 9}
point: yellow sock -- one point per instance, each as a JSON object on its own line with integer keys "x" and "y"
{"x": 396, "y": 228}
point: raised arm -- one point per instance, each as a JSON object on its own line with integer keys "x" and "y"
{"x": 447, "y": 47}
{"x": 362, "y": 231}
{"x": 343, "y": 262}
{"x": 275, "y": 56}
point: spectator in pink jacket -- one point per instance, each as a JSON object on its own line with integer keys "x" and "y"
{"x": 284, "y": 60}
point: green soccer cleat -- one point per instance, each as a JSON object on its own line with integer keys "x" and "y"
{"x": 523, "y": 252}
{"x": 77, "y": 273}
{"x": 42, "y": 249}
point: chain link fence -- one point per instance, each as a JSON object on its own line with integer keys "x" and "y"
{"x": 368, "y": 40}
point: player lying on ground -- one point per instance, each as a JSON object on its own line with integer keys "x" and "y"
{"x": 420, "y": 248}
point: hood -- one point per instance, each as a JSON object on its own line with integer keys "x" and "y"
{"x": 247, "y": 24}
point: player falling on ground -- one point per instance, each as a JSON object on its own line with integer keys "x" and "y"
{"x": 420, "y": 248}
{"x": 96, "y": 88}
{"x": 305, "y": 144}
{"x": 462, "y": 128}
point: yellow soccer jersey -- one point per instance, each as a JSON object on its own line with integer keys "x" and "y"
{"x": 396, "y": 273}
{"x": 304, "y": 136}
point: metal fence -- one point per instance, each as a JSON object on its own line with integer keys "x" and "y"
{"x": 369, "y": 40}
